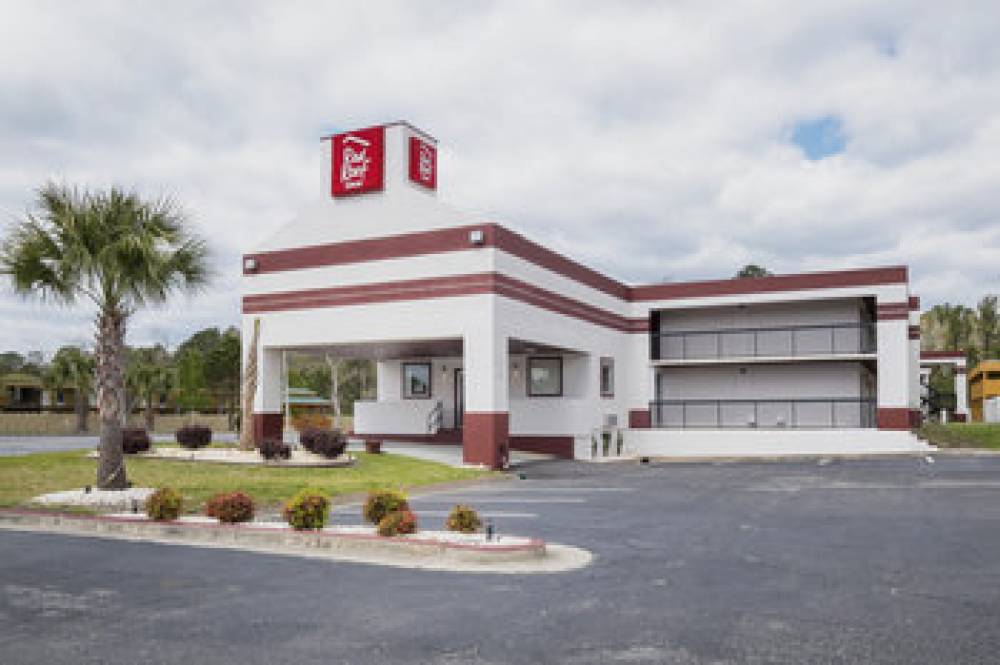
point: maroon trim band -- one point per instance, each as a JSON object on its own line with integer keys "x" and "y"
{"x": 914, "y": 303}
{"x": 442, "y": 287}
{"x": 811, "y": 280}
{"x": 457, "y": 239}
{"x": 914, "y": 332}
{"x": 942, "y": 355}
{"x": 892, "y": 311}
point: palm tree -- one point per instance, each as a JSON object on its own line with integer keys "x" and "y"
{"x": 149, "y": 376}
{"x": 120, "y": 252}
{"x": 74, "y": 367}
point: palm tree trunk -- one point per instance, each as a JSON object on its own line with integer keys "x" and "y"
{"x": 249, "y": 390}
{"x": 81, "y": 411}
{"x": 150, "y": 418}
{"x": 110, "y": 391}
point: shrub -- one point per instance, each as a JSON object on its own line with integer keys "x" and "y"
{"x": 134, "y": 440}
{"x": 194, "y": 436}
{"x": 382, "y": 502}
{"x": 328, "y": 443}
{"x": 230, "y": 507}
{"x": 164, "y": 504}
{"x": 272, "y": 449}
{"x": 307, "y": 510}
{"x": 303, "y": 421}
{"x": 398, "y": 523}
{"x": 463, "y": 519}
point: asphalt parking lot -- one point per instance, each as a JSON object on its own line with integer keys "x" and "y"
{"x": 865, "y": 561}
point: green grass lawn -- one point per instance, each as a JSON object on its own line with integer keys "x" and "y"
{"x": 963, "y": 435}
{"x": 24, "y": 477}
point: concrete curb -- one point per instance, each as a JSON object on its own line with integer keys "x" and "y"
{"x": 804, "y": 457}
{"x": 533, "y": 557}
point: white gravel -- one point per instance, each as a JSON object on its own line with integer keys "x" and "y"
{"x": 96, "y": 498}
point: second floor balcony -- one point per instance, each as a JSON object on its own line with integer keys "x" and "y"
{"x": 800, "y": 341}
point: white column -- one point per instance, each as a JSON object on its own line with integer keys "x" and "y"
{"x": 269, "y": 381}
{"x": 486, "y": 372}
{"x": 893, "y": 358}
{"x": 961, "y": 391}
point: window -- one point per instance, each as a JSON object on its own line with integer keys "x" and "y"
{"x": 416, "y": 380}
{"x": 545, "y": 377}
{"x": 993, "y": 376}
{"x": 60, "y": 397}
{"x": 607, "y": 377}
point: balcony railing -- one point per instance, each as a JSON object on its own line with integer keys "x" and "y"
{"x": 830, "y": 412}
{"x": 787, "y": 341}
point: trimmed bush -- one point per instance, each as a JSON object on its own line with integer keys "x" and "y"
{"x": 463, "y": 519}
{"x": 164, "y": 505}
{"x": 272, "y": 449}
{"x": 230, "y": 507}
{"x": 194, "y": 436}
{"x": 307, "y": 510}
{"x": 134, "y": 440}
{"x": 382, "y": 502}
{"x": 328, "y": 443}
{"x": 398, "y": 523}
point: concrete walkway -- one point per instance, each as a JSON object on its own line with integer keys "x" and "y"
{"x": 442, "y": 453}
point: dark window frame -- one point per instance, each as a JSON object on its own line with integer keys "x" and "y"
{"x": 610, "y": 364}
{"x": 430, "y": 380}
{"x": 527, "y": 377}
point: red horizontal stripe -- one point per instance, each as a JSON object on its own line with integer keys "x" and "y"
{"x": 811, "y": 280}
{"x": 441, "y": 287}
{"x": 457, "y": 239}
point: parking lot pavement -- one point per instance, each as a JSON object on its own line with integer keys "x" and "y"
{"x": 865, "y": 561}
{"x": 27, "y": 445}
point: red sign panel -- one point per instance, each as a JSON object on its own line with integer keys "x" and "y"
{"x": 423, "y": 163}
{"x": 358, "y": 161}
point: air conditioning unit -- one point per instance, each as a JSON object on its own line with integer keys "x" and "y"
{"x": 610, "y": 420}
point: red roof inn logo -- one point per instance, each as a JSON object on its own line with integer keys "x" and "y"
{"x": 423, "y": 163}
{"x": 358, "y": 161}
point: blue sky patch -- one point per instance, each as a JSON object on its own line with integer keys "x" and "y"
{"x": 820, "y": 137}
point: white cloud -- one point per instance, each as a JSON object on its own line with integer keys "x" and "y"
{"x": 669, "y": 124}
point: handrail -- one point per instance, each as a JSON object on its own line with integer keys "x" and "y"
{"x": 765, "y": 341}
{"x": 435, "y": 418}
{"x": 810, "y": 412}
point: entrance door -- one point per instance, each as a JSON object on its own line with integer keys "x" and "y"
{"x": 459, "y": 397}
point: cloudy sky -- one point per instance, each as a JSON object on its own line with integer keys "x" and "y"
{"x": 650, "y": 140}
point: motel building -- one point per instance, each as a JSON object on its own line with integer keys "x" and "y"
{"x": 485, "y": 339}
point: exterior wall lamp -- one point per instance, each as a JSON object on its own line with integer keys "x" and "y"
{"x": 476, "y": 237}
{"x": 250, "y": 264}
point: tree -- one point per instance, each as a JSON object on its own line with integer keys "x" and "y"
{"x": 989, "y": 327}
{"x": 122, "y": 253}
{"x": 73, "y": 367}
{"x": 222, "y": 371}
{"x": 752, "y": 270}
{"x": 149, "y": 377}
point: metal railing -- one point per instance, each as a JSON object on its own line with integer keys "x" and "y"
{"x": 819, "y": 413}
{"x": 435, "y": 418}
{"x": 786, "y": 341}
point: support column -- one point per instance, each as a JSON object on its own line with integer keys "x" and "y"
{"x": 486, "y": 425}
{"x": 916, "y": 389}
{"x": 961, "y": 393}
{"x": 268, "y": 420}
{"x": 893, "y": 358}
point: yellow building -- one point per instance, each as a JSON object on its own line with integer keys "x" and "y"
{"x": 984, "y": 383}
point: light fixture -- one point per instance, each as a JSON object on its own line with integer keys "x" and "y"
{"x": 476, "y": 237}
{"x": 249, "y": 264}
